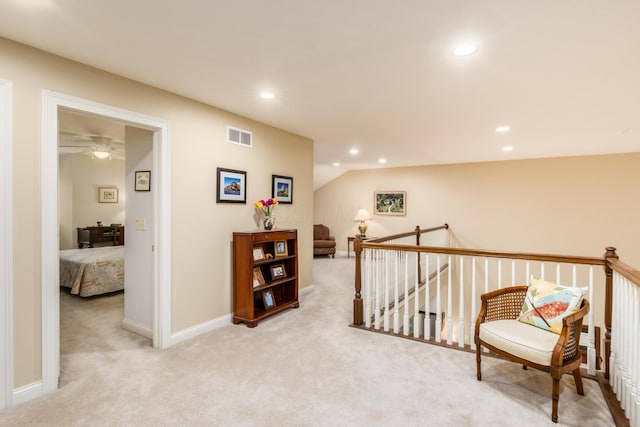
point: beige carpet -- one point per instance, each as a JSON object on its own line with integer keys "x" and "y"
{"x": 303, "y": 367}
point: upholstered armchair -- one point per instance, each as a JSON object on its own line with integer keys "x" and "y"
{"x": 323, "y": 242}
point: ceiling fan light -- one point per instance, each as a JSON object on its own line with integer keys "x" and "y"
{"x": 101, "y": 154}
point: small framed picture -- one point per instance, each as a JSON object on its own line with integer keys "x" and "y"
{"x": 258, "y": 278}
{"x": 143, "y": 181}
{"x": 258, "y": 254}
{"x": 280, "y": 248}
{"x": 231, "y": 186}
{"x": 282, "y": 188}
{"x": 278, "y": 272}
{"x": 390, "y": 203}
{"x": 268, "y": 299}
{"x": 108, "y": 195}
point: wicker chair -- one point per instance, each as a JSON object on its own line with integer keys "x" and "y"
{"x": 527, "y": 344}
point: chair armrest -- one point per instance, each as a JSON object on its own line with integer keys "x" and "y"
{"x": 568, "y": 343}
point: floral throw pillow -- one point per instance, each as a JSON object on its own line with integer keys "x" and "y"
{"x": 547, "y": 303}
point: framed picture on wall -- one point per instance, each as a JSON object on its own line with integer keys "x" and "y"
{"x": 390, "y": 203}
{"x": 108, "y": 195}
{"x": 143, "y": 181}
{"x": 231, "y": 186}
{"x": 282, "y": 188}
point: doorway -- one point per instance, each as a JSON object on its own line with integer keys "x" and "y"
{"x": 160, "y": 233}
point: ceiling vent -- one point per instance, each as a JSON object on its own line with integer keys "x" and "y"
{"x": 239, "y": 137}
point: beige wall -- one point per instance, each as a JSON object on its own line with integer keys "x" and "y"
{"x": 201, "y": 229}
{"x": 572, "y": 205}
{"x": 567, "y": 206}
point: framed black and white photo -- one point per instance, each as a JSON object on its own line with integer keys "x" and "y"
{"x": 280, "y": 248}
{"x": 268, "y": 299}
{"x": 231, "y": 186}
{"x": 390, "y": 203}
{"x": 282, "y": 188}
{"x": 278, "y": 272}
{"x": 108, "y": 195}
{"x": 143, "y": 181}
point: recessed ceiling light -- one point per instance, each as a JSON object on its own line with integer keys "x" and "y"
{"x": 354, "y": 151}
{"x": 382, "y": 161}
{"x": 464, "y": 49}
{"x": 267, "y": 95}
{"x": 336, "y": 164}
{"x": 503, "y": 129}
{"x": 507, "y": 148}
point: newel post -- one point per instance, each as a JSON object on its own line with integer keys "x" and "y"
{"x": 608, "y": 305}
{"x": 357, "y": 300}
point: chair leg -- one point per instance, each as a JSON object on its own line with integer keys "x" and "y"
{"x": 577, "y": 378}
{"x": 478, "y": 372}
{"x": 555, "y": 395}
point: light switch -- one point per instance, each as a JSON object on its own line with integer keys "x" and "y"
{"x": 140, "y": 224}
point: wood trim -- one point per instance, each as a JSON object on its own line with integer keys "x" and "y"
{"x": 372, "y": 244}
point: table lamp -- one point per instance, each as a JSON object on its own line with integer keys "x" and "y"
{"x": 362, "y": 216}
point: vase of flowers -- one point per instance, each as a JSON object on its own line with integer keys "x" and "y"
{"x": 265, "y": 207}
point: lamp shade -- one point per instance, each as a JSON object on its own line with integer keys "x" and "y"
{"x": 362, "y": 215}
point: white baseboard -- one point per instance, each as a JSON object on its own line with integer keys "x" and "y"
{"x": 214, "y": 324}
{"x": 137, "y": 328}
{"x": 200, "y": 329}
{"x": 27, "y": 392}
{"x": 306, "y": 290}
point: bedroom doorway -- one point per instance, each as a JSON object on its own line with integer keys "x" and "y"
{"x": 159, "y": 231}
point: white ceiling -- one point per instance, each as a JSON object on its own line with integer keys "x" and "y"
{"x": 378, "y": 75}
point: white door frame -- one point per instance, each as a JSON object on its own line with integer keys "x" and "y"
{"x": 51, "y": 102}
{"x": 6, "y": 246}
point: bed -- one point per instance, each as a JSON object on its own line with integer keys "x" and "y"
{"x": 92, "y": 271}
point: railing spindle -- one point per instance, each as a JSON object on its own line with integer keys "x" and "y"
{"x": 427, "y": 302}
{"x": 461, "y": 332}
{"x": 449, "y": 304}
{"x": 437, "y": 333}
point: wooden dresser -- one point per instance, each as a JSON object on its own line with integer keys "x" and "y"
{"x": 90, "y": 235}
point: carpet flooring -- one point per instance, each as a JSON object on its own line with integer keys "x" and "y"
{"x": 302, "y": 367}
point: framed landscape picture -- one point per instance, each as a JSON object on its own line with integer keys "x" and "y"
{"x": 143, "y": 181}
{"x": 108, "y": 195}
{"x": 390, "y": 203}
{"x": 231, "y": 186}
{"x": 282, "y": 188}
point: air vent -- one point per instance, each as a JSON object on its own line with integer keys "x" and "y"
{"x": 239, "y": 137}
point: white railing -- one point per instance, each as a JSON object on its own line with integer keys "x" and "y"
{"x": 398, "y": 281}
{"x": 625, "y": 341}
{"x": 395, "y": 300}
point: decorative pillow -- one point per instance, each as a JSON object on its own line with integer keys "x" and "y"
{"x": 547, "y": 303}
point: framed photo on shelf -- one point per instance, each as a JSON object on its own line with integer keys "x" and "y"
{"x": 231, "y": 186}
{"x": 258, "y": 278}
{"x": 390, "y": 203}
{"x": 143, "y": 181}
{"x": 278, "y": 271}
{"x": 282, "y": 188}
{"x": 108, "y": 195}
{"x": 280, "y": 248}
{"x": 258, "y": 254}
{"x": 268, "y": 299}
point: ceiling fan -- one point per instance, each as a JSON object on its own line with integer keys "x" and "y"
{"x": 100, "y": 146}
